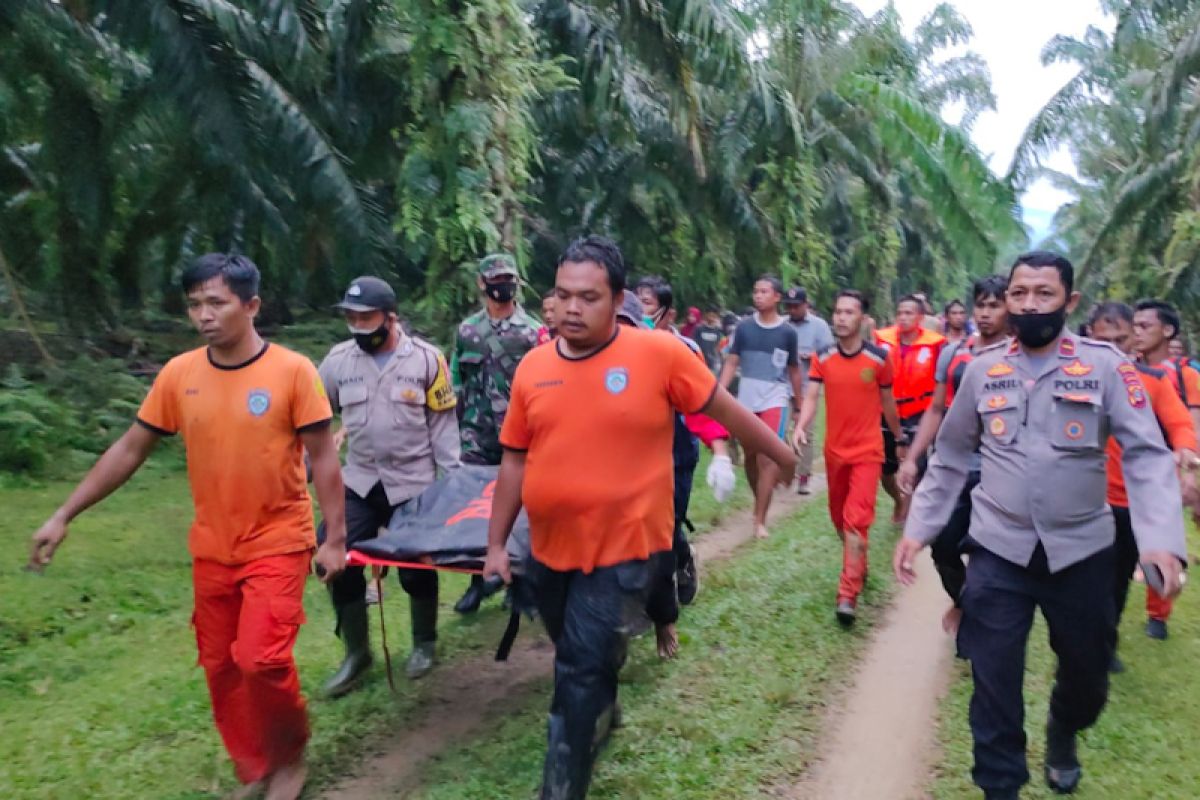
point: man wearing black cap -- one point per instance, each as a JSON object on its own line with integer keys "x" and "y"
{"x": 397, "y": 406}
{"x": 812, "y": 336}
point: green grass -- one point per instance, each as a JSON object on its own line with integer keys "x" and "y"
{"x": 741, "y": 708}
{"x": 99, "y": 692}
{"x": 1143, "y": 745}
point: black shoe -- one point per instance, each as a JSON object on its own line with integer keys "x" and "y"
{"x": 846, "y": 613}
{"x": 1116, "y": 666}
{"x": 1001, "y": 794}
{"x": 472, "y": 598}
{"x": 353, "y": 627}
{"x": 1156, "y": 629}
{"x": 687, "y": 580}
{"x": 1063, "y": 770}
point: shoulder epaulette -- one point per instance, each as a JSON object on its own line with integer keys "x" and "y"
{"x": 341, "y": 347}
{"x": 1099, "y": 345}
{"x": 1146, "y": 369}
{"x": 1003, "y": 343}
{"x": 875, "y": 352}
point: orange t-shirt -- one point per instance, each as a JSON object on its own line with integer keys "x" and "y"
{"x": 853, "y": 404}
{"x": 241, "y": 427}
{"x": 597, "y": 431}
{"x": 1173, "y": 418}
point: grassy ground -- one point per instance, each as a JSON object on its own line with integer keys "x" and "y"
{"x": 99, "y": 693}
{"x": 1144, "y": 744}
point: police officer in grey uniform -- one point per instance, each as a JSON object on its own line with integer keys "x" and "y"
{"x": 397, "y": 405}
{"x": 1041, "y": 409}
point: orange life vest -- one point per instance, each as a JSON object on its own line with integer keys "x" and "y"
{"x": 914, "y": 365}
{"x": 962, "y": 355}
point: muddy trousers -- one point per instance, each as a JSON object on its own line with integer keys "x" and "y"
{"x": 662, "y": 604}
{"x": 246, "y": 618}
{"x": 852, "y": 490}
{"x": 947, "y": 548}
{"x": 998, "y": 605}
{"x": 364, "y": 517}
{"x": 588, "y": 617}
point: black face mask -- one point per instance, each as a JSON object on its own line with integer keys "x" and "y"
{"x": 1039, "y": 330}
{"x": 371, "y": 340}
{"x": 501, "y": 292}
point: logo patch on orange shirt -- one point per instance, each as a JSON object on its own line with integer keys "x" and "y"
{"x": 867, "y": 374}
{"x": 1077, "y": 369}
{"x": 1000, "y": 370}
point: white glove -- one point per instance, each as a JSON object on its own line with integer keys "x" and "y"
{"x": 721, "y": 478}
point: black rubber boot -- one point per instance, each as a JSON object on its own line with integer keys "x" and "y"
{"x": 424, "y": 614}
{"x": 1062, "y": 762}
{"x": 354, "y": 630}
{"x": 476, "y": 593}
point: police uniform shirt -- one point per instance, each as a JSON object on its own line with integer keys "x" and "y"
{"x": 1042, "y": 434}
{"x": 400, "y": 420}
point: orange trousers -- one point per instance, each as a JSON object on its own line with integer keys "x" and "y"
{"x": 246, "y": 618}
{"x": 852, "y": 490}
{"x": 1157, "y": 606}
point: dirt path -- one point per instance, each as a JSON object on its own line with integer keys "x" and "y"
{"x": 461, "y": 697}
{"x": 880, "y": 739}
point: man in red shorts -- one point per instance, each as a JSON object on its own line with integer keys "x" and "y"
{"x": 857, "y": 377}
{"x": 247, "y": 411}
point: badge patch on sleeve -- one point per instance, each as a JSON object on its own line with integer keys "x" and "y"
{"x": 1133, "y": 385}
{"x": 440, "y": 396}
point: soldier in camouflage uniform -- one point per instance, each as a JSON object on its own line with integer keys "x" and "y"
{"x": 487, "y": 349}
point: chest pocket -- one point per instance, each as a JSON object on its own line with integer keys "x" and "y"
{"x": 353, "y": 402}
{"x": 407, "y": 402}
{"x": 1000, "y": 415}
{"x": 469, "y": 365}
{"x": 1075, "y": 422}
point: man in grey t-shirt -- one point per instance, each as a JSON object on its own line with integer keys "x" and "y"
{"x": 812, "y": 336}
{"x": 764, "y": 346}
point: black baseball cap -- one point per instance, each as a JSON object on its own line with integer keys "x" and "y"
{"x": 368, "y": 293}
{"x": 795, "y": 296}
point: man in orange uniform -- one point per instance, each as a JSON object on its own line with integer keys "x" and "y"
{"x": 1113, "y": 323}
{"x": 857, "y": 377}
{"x": 596, "y": 406}
{"x": 247, "y": 411}
{"x": 1155, "y": 324}
{"x": 914, "y": 351}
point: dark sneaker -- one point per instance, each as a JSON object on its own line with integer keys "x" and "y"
{"x": 1156, "y": 628}
{"x": 421, "y": 661}
{"x": 846, "y": 612}
{"x": 687, "y": 580}
{"x": 1062, "y": 762}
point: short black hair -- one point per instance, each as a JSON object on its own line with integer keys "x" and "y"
{"x": 989, "y": 286}
{"x": 912, "y": 298}
{"x": 1166, "y": 312}
{"x": 549, "y": 293}
{"x": 663, "y": 293}
{"x": 776, "y": 284}
{"x": 952, "y": 304}
{"x": 239, "y": 273}
{"x": 1040, "y": 259}
{"x": 1111, "y": 312}
{"x": 854, "y": 294}
{"x": 602, "y": 251}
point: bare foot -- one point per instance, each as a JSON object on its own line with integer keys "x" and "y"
{"x": 951, "y": 620}
{"x": 668, "y": 641}
{"x": 247, "y": 791}
{"x": 761, "y": 532}
{"x": 287, "y": 782}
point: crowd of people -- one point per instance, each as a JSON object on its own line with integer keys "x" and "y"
{"x": 1008, "y": 444}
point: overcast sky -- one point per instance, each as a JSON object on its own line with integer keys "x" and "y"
{"x": 1009, "y": 35}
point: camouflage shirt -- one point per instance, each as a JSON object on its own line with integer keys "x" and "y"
{"x": 486, "y": 354}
